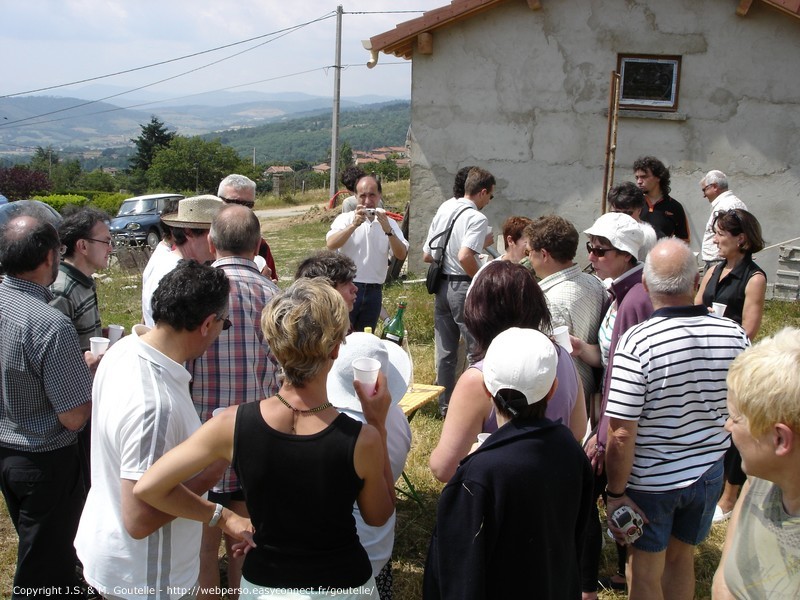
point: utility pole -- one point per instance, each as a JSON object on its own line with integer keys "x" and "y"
{"x": 336, "y": 83}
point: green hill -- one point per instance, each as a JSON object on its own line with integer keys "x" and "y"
{"x": 309, "y": 138}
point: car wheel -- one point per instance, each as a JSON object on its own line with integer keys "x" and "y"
{"x": 153, "y": 238}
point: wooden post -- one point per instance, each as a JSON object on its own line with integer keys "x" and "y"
{"x": 611, "y": 137}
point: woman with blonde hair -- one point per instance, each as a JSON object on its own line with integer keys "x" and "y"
{"x": 302, "y": 464}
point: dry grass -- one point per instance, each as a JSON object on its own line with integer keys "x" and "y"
{"x": 120, "y": 294}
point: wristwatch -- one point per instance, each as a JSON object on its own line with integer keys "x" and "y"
{"x": 389, "y": 233}
{"x": 217, "y": 514}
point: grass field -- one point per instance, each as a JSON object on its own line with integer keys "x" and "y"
{"x": 292, "y": 240}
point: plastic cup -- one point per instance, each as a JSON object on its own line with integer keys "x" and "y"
{"x": 217, "y": 411}
{"x": 719, "y": 308}
{"x": 482, "y": 437}
{"x": 99, "y": 345}
{"x": 561, "y": 335}
{"x": 365, "y": 371}
{"x": 115, "y": 332}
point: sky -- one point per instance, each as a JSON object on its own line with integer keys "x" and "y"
{"x": 53, "y": 42}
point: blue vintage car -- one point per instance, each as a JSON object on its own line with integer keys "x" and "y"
{"x": 138, "y": 220}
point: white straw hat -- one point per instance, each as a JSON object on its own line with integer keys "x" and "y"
{"x": 196, "y": 212}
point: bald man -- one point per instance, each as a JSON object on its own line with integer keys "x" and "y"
{"x": 668, "y": 383}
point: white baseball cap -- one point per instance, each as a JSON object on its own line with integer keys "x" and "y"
{"x": 621, "y": 230}
{"x": 524, "y": 360}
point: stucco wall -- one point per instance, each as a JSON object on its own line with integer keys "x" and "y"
{"x": 524, "y": 94}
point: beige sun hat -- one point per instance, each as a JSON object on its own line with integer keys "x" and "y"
{"x": 196, "y": 212}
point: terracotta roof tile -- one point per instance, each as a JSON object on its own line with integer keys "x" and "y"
{"x": 400, "y": 40}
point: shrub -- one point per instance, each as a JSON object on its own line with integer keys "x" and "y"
{"x": 61, "y": 201}
{"x": 109, "y": 202}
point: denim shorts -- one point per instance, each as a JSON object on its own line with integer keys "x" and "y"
{"x": 684, "y": 513}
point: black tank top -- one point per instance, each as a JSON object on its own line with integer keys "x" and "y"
{"x": 731, "y": 290}
{"x": 300, "y": 491}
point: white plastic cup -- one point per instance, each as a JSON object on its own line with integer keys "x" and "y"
{"x": 115, "y": 332}
{"x": 365, "y": 371}
{"x": 99, "y": 345}
{"x": 719, "y": 308}
{"x": 482, "y": 437}
{"x": 561, "y": 335}
{"x": 217, "y": 411}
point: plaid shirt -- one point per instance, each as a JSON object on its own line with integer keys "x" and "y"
{"x": 239, "y": 366}
{"x": 42, "y": 371}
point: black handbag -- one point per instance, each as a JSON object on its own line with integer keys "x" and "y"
{"x": 435, "y": 275}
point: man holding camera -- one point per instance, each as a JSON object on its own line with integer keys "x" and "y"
{"x": 666, "y": 436}
{"x": 368, "y": 237}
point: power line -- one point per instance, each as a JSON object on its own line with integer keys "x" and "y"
{"x": 171, "y": 60}
{"x": 152, "y": 102}
{"x": 284, "y": 33}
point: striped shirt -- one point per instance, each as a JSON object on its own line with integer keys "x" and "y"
{"x": 576, "y": 299}
{"x": 42, "y": 371}
{"x": 239, "y": 366}
{"x": 669, "y": 375}
{"x": 75, "y": 295}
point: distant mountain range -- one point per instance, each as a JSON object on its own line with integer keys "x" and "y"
{"x": 74, "y": 123}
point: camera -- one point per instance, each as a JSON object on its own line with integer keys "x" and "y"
{"x": 629, "y": 521}
{"x": 370, "y": 211}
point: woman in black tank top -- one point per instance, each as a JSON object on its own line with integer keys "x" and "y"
{"x": 301, "y": 463}
{"x": 741, "y": 285}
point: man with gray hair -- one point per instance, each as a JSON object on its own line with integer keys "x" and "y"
{"x": 45, "y": 392}
{"x": 238, "y": 189}
{"x": 666, "y": 436}
{"x": 714, "y": 186}
{"x": 238, "y": 367}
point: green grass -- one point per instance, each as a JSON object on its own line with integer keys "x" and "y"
{"x": 119, "y": 294}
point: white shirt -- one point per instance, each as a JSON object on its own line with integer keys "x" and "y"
{"x": 650, "y": 239}
{"x": 141, "y": 408}
{"x": 469, "y": 231}
{"x": 162, "y": 261}
{"x": 368, "y": 246}
{"x": 725, "y": 201}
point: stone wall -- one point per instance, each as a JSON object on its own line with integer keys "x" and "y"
{"x": 525, "y": 93}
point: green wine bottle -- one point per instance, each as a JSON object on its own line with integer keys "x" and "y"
{"x": 395, "y": 329}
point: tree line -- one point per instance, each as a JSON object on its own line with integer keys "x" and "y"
{"x": 166, "y": 161}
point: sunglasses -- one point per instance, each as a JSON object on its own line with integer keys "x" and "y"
{"x": 598, "y": 251}
{"x": 226, "y": 323}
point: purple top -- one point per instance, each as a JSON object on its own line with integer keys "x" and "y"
{"x": 563, "y": 401}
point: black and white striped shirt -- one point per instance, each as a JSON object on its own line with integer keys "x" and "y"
{"x": 669, "y": 375}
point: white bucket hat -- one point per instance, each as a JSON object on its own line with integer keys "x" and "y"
{"x": 395, "y": 364}
{"x": 621, "y": 230}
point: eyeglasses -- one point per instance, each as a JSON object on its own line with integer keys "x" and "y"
{"x": 706, "y": 187}
{"x": 598, "y": 251}
{"x": 247, "y": 203}
{"x": 226, "y": 323}
{"x": 106, "y": 242}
